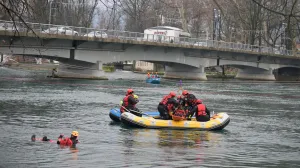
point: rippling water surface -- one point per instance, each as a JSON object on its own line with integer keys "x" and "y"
{"x": 264, "y": 130}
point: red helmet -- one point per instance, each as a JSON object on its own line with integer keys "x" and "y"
{"x": 172, "y": 94}
{"x": 185, "y": 92}
{"x": 129, "y": 91}
{"x": 198, "y": 101}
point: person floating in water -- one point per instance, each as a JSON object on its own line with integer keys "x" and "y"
{"x": 45, "y": 138}
{"x": 66, "y": 141}
{"x": 63, "y": 141}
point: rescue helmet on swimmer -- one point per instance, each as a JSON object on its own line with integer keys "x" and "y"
{"x": 75, "y": 133}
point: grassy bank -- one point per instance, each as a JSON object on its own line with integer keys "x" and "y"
{"x": 107, "y": 68}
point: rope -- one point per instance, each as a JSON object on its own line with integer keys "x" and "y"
{"x": 180, "y": 87}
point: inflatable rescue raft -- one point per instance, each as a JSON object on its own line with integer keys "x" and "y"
{"x": 115, "y": 114}
{"x": 153, "y": 80}
{"x": 217, "y": 122}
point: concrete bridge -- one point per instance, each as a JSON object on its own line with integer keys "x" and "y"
{"x": 82, "y": 56}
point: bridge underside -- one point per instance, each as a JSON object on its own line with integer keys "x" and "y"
{"x": 287, "y": 74}
{"x": 175, "y": 71}
{"x": 79, "y": 69}
{"x": 253, "y": 73}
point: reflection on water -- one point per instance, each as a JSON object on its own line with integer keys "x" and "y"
{"x": 74, "y": 151}
{"x": 186, "y": 139}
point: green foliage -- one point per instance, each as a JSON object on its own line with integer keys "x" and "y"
{"x": 106, "y": 68}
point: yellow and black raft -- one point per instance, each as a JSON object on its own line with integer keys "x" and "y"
{"x": 217, "y": 122}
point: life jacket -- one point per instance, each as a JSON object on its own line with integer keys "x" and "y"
{"x": 65, "y": 141}
{"x": 164, "y": 101}
{"x": 170, "y": 107}
{"x": 201, "y": 110}
{"x": 179, "y": 115}
{"x": 125, "y": 103}
{"x": 179, "y": 112}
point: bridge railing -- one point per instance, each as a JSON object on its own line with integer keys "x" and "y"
{"x": 9, "y": 26}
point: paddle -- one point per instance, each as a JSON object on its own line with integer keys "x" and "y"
{"x": 137, "y": 112}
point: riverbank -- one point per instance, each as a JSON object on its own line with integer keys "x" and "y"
{"x": 47, "y": 68}
{"x": 30, "y": 66}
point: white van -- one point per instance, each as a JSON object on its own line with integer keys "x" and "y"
{"x": 165, "y": 34}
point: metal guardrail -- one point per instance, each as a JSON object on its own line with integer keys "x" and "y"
{"x": 126, "y": 35}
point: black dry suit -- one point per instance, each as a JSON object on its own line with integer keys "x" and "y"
{"x": 167, "y": 104}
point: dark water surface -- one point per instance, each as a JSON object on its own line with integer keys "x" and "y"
{"x": 264, "y": 130}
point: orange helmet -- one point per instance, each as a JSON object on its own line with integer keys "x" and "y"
{"x": 185, "y": 92}
{"x": 198, "y": 101}
{"x": 129, "y": 91}
{"x": 173, "y": 94}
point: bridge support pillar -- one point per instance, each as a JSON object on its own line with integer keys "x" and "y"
{"x": 179, "y": 71}
{"x": 252, "y": 73}
{"x": 1, "y": 57}
{"x": 80, "y": 71}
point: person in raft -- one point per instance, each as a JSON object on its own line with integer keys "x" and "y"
{"x": 152, "y": 75}
{"x": 156, "y": 75}
{"x": 186, "y": 100}
{"x": 136, "y": 97}
{"x": 167, "y": 104}
{"x": 129, "y": 104}
{"x": 66, "y": 141}
{"x": 202, "y": 113}
{"x": 148, "y": 75}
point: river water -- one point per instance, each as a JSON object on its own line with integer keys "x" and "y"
{"x": 264, "y": 130}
